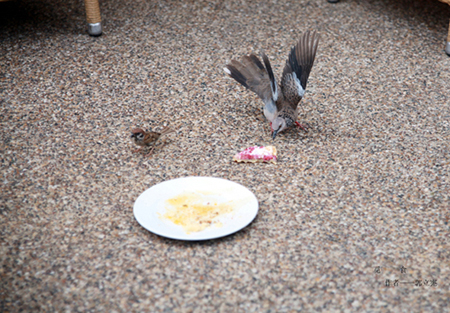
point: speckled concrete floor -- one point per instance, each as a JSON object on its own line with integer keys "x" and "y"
{"x": 364, "y": 193}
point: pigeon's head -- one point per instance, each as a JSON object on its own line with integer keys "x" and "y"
{"x": 278, "y": 124}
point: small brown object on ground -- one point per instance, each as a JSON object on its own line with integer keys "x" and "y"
{"x": 147, "y": 138}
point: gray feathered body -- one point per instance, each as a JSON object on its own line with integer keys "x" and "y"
{"x": 280, "y": 101}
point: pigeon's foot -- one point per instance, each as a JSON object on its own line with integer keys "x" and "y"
{"x": 302, "y": 126}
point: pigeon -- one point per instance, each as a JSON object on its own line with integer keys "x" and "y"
{"x": 280, "y": 100}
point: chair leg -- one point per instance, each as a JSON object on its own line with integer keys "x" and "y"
{"x": 93, "y": 17}
{"x": 447, "y": 46}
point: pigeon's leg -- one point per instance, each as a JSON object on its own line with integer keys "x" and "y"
{"x": 151, "y": 150}
{"x": 271, "y": 126}
{"x": 148, "y": 154}
{"x": 303, "y": 127}
{"x": 137, "y": 150}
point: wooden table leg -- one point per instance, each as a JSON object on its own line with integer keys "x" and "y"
{"x": 93, "y": 17}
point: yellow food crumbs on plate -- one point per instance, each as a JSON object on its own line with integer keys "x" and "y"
{"x": 195, "y": 211}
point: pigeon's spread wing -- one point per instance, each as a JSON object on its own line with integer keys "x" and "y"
{"x": 256, "y": 76}
{"x": 298, "y": 66}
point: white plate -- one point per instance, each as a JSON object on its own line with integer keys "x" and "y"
{"x": 151, "y": 205}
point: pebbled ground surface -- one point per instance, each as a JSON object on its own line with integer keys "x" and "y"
{"x": 359, "y": 202}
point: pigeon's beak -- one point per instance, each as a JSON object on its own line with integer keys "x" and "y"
{"x": 275, "y": 132}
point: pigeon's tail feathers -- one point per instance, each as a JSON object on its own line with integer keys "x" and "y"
{"x": 253, "y": 75}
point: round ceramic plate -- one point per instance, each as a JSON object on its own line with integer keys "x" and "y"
{"x": 154, "y": 209}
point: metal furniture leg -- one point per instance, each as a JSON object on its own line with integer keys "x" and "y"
{"x": 93, "y": 17}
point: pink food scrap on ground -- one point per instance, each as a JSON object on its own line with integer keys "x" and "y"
{"x": 257, "y": 154}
